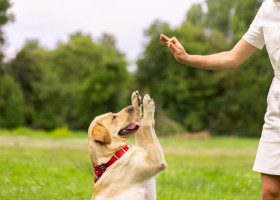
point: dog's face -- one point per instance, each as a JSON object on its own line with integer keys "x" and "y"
{"x": 109, "y": 132}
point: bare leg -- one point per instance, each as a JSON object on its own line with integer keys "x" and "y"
{"x": 270, "y": 187}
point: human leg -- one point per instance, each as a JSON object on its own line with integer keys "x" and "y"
{"x": 270, "y": 187}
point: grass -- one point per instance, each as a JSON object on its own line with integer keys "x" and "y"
{"x": 49, "y": 167}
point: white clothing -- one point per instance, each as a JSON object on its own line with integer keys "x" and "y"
{"x": 265, "y": 30}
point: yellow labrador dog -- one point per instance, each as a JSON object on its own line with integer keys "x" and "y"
{"x": 125, "y": 172}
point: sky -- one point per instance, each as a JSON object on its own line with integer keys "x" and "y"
{"x": 51, "y": 21}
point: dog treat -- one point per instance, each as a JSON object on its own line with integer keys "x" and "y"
{"x": 168, "y": 43}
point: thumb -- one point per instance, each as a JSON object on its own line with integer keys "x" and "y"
{"x": 173, "y": 47}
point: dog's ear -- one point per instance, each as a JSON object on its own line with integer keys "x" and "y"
{"x": 100, "y": 133}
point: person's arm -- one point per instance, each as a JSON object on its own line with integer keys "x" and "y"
{"x": 220, "y": 61}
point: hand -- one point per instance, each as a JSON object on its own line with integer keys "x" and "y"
{"x": 177, "y": 49}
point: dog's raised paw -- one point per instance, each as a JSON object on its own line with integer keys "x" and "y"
{"x": 136, "y": 99}
{"x": 149, "y": 104}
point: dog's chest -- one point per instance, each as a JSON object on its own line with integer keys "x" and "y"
{"x": 124, "y": 181}
{"x": 139, "y": 191}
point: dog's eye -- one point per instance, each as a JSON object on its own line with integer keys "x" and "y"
{"x": 114, "y": 117}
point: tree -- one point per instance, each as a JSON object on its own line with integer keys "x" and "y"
{"x": 27, "y": 70}
{"x": 196, "y": 16}
{"x": 11, "y": 98}
{"x": 227, "y": 102}
{"x": 182, "y": 92}
{"x": 106, "y": 86}
{"x": 4, "y": 19}
{"x": 218, "y": 15}
{"x": 73, "y": 83}
{"x": 237, "y": 114}
{"x": 11, "y": 103}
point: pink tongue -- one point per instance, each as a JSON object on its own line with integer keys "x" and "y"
{"x": 133, "y": 125}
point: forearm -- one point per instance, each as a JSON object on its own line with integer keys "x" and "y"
{"x": 219, "y": 61}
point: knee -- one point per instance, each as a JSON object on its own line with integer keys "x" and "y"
{"x": 270, "y": 194}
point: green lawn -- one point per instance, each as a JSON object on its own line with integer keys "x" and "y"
{"x": 49, "y": 168}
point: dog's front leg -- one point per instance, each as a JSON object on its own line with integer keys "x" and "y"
{"x": 154, "y": 152}
{"x": 138, "y": 117}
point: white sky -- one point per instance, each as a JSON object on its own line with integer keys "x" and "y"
{"x": 51, "y": 21}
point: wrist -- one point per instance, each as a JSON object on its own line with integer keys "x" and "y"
{"x": 187, "y": 60}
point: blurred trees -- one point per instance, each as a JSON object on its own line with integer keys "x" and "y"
{"x": 82, "y": 78}
{"x": 26, "y": 70}
{"x": 5, "y": 17}
{"x": 11, "y": 103}
{"x": 72, "y": 83}
{"x": 185, "y": 93}
{"x": 11, "y": 97}
{"x": 227, "y": 102}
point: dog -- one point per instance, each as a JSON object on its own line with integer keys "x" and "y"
{"x": 122, "y": 171}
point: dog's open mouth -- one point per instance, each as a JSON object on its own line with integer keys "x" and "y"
{"x": 134, "y": 126}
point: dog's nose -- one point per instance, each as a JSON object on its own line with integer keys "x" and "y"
{"x": 130, "y": 108}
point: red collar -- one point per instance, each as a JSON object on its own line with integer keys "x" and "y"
{"x": 100, "y": 169}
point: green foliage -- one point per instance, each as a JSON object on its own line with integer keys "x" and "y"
{"x": 71, "y": 84}
{"x": 243, "y": 103}
{"x": 183, "y": 92}
{"x": 226, "y": 102}
{"x": 24, "y": 131}
{"x": 93, "y": 78}
{"x": 61, "y": 132}
{"x": 165, "y": 126}
{"x": 218, "y": 15}
{"x": 82, "y": 78}
{"x": 26, "y": 69}
{"x": 5, "y": 17}
{"x": 11, "y": 103}
{"x": 196, "y": 16}
{"x": 103, "y": 88}
{"x": 232, "y": 18}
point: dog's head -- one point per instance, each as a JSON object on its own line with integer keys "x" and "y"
{"x": 109, "y": 132}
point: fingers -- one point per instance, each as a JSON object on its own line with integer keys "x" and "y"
{"x": 173, "y": 48}
{"x": 164, "y": 38}
{"x": 172, "y": 43}
{"x": 173, "y": 40}
{"x": 167, "y": 40}
{"x": 176, "y": 48}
